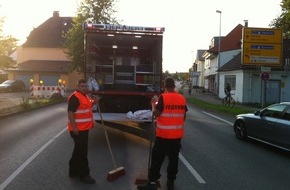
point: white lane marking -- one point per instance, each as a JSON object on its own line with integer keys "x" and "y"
{"x": 28, "y": 161}
{"x": 185, "y": 162}
{"x": 191, "y": 169}
{"x": 218, "y": 118}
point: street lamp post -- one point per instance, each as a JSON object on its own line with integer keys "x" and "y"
{"x": 219, "y": 51}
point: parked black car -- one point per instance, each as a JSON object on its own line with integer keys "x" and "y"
{"x": 270, "y": 125}
{"x": 12, "y": 86}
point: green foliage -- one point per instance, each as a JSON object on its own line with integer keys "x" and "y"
{"x": 25, "y": 103}
{"x": 56, "y": 97}
{"x": 7, "y": 46}
{"x": 74, "y": 44}
{"x": 98, "y": 11}
{"x": 282, "y": 21}
{"x": 218, "y": 108}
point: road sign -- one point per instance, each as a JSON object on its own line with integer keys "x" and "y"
{"x": 264, "y": 54}
{"x": 262, "y": 46}
{"x": 262, "y": 35}
{"x": 265, "y": 69}
{"x": 195, "y": 74}
{"x": 264, "y": 76}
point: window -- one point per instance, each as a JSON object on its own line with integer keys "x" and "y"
{"x": 274, "y": 111}
{"x": 231, "y": 79}
{"x": 287, "y": 114}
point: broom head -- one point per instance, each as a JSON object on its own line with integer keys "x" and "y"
{"x": 116, "y": 173}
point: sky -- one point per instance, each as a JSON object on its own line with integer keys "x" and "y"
{"x": 189, "y": 24}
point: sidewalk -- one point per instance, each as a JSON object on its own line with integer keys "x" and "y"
{"x": 204, "y": 96}
{"x": 211, "y": 98}
{"x": 12, "y": 103}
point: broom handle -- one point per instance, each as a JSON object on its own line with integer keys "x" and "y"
{"x": 150, "y": 145}
{"x": 151, "y": 138}
{"x": 106, "y": 134}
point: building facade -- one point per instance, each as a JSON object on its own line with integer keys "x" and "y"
{"x": 246, "y": 82}
{"x": 42, "y": 58}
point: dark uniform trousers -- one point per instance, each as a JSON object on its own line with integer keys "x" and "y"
{"x": 161, "y": 149}
{"x": 78, "y": 163}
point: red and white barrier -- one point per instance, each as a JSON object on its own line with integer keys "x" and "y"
{"x": 46, "y": 91}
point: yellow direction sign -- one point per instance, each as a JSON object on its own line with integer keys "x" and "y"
{"x": 264, "y": 54}
{"x": 262, "y": 35}
{"x": 262, "y": 46}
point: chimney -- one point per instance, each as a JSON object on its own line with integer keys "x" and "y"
{"x": 246, "y": 23}
{"x": 55, "y": 14}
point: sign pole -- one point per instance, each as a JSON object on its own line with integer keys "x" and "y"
{"x": 264, "y": 77}
{"x": 263, "y": 94}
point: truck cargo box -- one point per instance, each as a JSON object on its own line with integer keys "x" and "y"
{"x": 126, "y": 62}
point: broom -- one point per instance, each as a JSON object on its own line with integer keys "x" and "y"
{"x": 139, "y": 181}
{"x": 117, "y": 172}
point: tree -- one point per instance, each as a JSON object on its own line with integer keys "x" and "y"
{"x": 283, "y": 20}
{"x": 99, "y": 11}
{"x": 7, "y": 46}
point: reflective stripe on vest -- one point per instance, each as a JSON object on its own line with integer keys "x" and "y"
{"x": 83, "y": 120}
{"x": 167, "y": 127}
{"x": 172, "y": 115}
{"x": 83, "y": 111}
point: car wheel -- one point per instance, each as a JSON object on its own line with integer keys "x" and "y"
{"x": 240, "y": 130}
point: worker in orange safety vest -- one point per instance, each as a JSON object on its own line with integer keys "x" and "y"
{"x": 170, "y": 111}
{"x": 80, "y": 121}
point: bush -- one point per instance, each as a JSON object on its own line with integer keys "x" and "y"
{"x": 56, "y": 96}
{"x": 25, "y": 103}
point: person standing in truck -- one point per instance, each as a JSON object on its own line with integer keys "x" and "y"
{"x": 80, "y": 121}
{"x": 170, "y": 111}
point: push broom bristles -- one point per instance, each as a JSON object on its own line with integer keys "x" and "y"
{"x": 116, "y": 173}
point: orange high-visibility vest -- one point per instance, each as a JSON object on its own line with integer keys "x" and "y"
{"x": 83, "y": 115}
{"x": 170, "y": 122}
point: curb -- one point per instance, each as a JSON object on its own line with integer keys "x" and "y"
{"x": 19, "y": 109}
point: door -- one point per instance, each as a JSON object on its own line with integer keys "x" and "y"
{"x": 273, "y": 127}
{"x": 273, "y": 91}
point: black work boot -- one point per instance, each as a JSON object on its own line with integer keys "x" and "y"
{"x": 88, "y": 179}
{"x": 151, "y": 185}
{"x": 170, "y": 184}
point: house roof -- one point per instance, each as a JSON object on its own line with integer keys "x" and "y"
{"x": 50, "y": 33}
{"x": 199, "y": 56}
{"x": 45, "y": 66}
{"x": 232, "y": 41}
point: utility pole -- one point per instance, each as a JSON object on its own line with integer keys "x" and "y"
{"x": 219, "y": 52}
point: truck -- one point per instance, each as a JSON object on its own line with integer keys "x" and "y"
{"x": 126, "y": 63}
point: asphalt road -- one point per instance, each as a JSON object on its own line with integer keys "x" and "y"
{"x": 35, "y": 148}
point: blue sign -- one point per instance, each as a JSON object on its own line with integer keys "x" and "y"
{"x": 263, "y": 32}
{"x": 262, "y": 47}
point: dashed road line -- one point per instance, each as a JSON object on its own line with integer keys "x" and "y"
{"x": 218, "y": 118}
{"x": 186, "y": 163}
{"x": 191, "y": 169}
